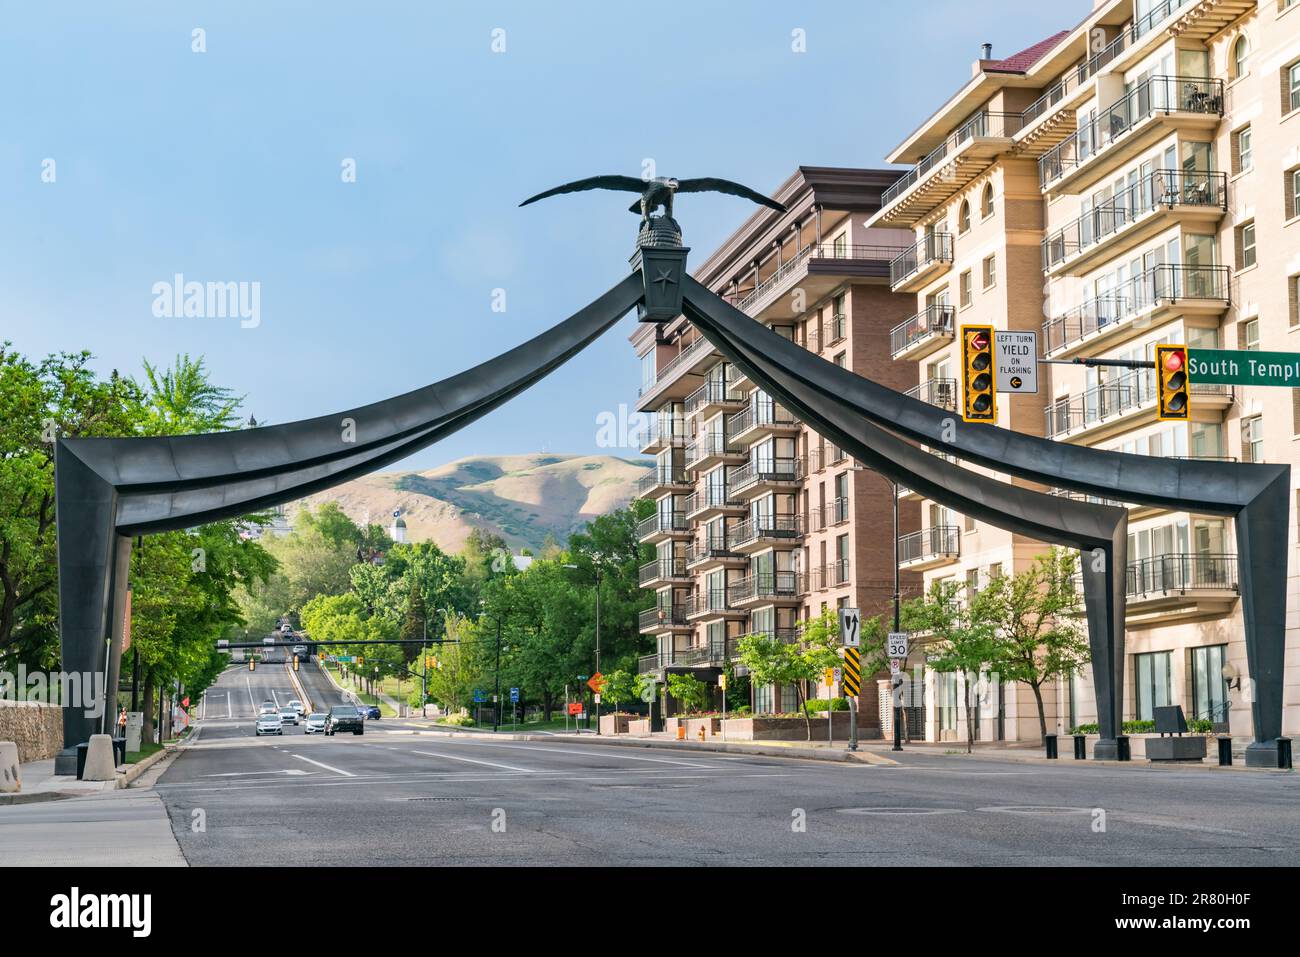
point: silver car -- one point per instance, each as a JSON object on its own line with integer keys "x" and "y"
{"x": 269, "y": 724}
{"x": 289, "y": 716}
{"x": 315, "y": 723}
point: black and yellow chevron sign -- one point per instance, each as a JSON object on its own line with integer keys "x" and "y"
{"x": 852, "y": 671}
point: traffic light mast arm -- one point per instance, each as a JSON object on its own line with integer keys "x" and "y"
{"x": 1115, "y": 363}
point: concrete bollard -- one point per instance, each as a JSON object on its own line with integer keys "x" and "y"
{"x": 99, "y": 759}
{"x": 11, "y": 779}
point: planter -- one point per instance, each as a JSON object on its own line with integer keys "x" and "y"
{"x": 614, "y": 723}
{"x": 638, "y": 726}
{"x": 711, "y": 727}
{"x": 794, "y": 729}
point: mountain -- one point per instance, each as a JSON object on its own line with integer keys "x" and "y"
{"x": 520, "y": 497}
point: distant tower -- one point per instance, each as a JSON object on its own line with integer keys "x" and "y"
{"x": 397, "y": 531}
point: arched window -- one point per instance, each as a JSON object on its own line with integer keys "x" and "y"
{"x": 986, "y": 201}
{"x": 963, "y": 217}
{"x": 1239, "y": 50}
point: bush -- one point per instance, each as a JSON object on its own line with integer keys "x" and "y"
{"x": 457, "y": 721}
{"x": 818, "y": 705}
{"x": 1196, "y": 726}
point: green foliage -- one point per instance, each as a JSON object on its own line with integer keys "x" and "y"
{"x": 620, "y": 686}
{"x": 818, "y": 705}
{"x": 457, "y": 721}
{"x": 689, "y": 691}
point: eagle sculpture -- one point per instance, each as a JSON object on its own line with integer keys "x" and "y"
{"x": 659, "y": 191}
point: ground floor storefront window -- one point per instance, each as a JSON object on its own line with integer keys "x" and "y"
{"x": 1153, "y": 685}
{"x": 1209, "y": 688}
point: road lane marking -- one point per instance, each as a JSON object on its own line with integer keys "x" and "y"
{"x": 490, "y": 764}
{"x": 292, "y": 772}
{"x": 322, "y": 764}
{"x": 251, "y": 703}
{"x": 599, "y": 754}
{"x": 230, "y": 711}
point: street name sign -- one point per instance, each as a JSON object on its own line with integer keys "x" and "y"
{"x": 514, "y": 695}
{"x": 896, "y": 644}
{"x": 1233, "y": 367}
{"x": 850, "y": 628}
{"x": 1015, "y": 357}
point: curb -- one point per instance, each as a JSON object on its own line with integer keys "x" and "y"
{"x": 303, "y": 696}
{"x": 33, "y": 797}
{"x": 802, "y": 754}
{"x": 128, "y": 777}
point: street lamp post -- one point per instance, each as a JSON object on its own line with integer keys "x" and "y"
{"x": 595, "y": 565}
{"x": 898, "y": 710}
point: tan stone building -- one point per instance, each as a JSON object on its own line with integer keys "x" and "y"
{"x": 759, "y": 523}
{"x": 1130, "y": 181}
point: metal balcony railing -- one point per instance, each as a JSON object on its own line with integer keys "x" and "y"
{"x": 984, "y": 124}
{"x": 663, "y": 616}
{"x": 1158, "y": 284}
{"x": 711, "y": 496}
{"x": 837, "y": 328}
{"x": 710, "y": 546}
{"x": 663, "y": 568}
{"x": 663, "y": 522}
{"x": 708, "y": 444}
{"x": 1164, "y": 188}
{"x": 882, "y": 253}
{"x": 933, "y": 320}
{"x": 838, "y": 572}
{"x": 710, "y": 600}
{"x": 678, "y": 362}
{"x": 937, "y": 541}
{"x": 648, "y": 663}
{"x": 758, "y": 413}
{"x": 766, "y": 526}
{"x": 765, "y": 469}
{"x": 813, "y": 338}
{"x": 1124, "y": 394}
{"x": 659, "y": 476}
{"x": 668, "y": 429}
{"x": 1155, "y": 94}
{"x": 940, "y": 392}
{"x": 711, "y": 393}
{"x": 779, "y": 584}
{"x": 1163, "y": 574}
{"x": 936, "y": 247}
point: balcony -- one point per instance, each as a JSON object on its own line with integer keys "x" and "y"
{"x": 663, "y": 571}
{"x": 764, "y": 531}
{"x": 1159, "y": 200}
{"x": 664, "y": 432}
{"x": 832, "y": 513}
{"x": 1120, "y": 132}
{"x": 1160, "y": 293}
{"x": 712, "y": 551}
{"x": 712, "y": 603}
{"x": 713, "y": 397}
{"x": 837, "y": 329}
{"x": 662, "y": 479}
{"x": 817, "y": 269}
{"x": 664, "y": 618}
{"x": 1178, "y": 586}
{"x": 920, "y": 335}
{"x": 1121, "y": 404}
{"x": 649, "y": 664}
{"x": 766, "y": 588}
{"x": 765, "y": 474}
{"x": 671, "y": 380}
{"x": 918, "y": 264}
{"x": 709, "y": 502}
{"x": 948, "y": 168}
{"x": 663, "y": 526}
{"x": 939, "y": 392}
{"x": 813, "y": 338}
{"x": 763, "y": 417}
{"x": 713, "y": 448}
{"x": 930, "y": 547}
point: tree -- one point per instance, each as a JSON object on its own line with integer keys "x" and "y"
{"x": 961, "y": 636}
{"x": 1036, "y": 617}
{"x": 689, "y": 690}
{"x": 619, "y": 686}
{"x": 459, "y": 669}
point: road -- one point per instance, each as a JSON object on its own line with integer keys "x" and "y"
{"x": 400, "y": 794}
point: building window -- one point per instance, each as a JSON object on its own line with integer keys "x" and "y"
{"x": 1246, "y": 245}
{"x": 1291, "y": 189}
{"x": 964, "y": 286}
{"x": 1250, "y": 335}
{"x": 1239, "y": 51}
{"x": 1153, "y": 683}
{"x": 1209, "y": 689}
{"x": 1293, "y": 294}
{"x": 1252, "y": 439}
{"x": 1291, "y": 88}
{"x": 840, "y": 249}
{"x": 963, "y": 217}
{"x": 990, "y": 272}
{"x": 1242, "y": 154}
{"x": 986, "y": 201}
{"x": 947, "y": 704}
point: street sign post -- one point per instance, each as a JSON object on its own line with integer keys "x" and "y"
{"x": 896, "y": 648}
{"x": 850, "y": 628}
{"x": 1015, "y": 359}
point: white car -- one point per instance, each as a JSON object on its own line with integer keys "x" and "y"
{"x": 297, "y": 706}
{"x": 315, "y": 723}
{"x": 269, "y": 724}
{"x": 289, "y": 716}
{"x": 268, "y": 707}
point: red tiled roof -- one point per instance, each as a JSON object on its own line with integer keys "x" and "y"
{"x": 1022, "y": 61}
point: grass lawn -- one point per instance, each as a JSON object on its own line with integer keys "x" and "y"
{"x": 365, "y": 697}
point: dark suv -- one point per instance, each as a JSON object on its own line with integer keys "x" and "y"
{"x": 344, "y": 718}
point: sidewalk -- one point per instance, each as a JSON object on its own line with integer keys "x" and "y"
{"x": 40, "y": 783}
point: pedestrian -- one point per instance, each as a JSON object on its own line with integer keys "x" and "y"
{"x": 121, "y": 723}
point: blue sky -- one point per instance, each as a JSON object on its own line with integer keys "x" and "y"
{"x": 225, "y": 166}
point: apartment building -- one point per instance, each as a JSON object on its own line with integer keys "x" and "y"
{"x": 1130, "y": 181}
{"x": 759, "y": 523}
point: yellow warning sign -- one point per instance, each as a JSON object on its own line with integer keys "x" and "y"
{"x": 852, "y": 673}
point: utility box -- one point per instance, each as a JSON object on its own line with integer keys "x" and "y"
{"x": 134, "y": 730}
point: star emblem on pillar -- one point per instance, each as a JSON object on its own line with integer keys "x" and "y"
{"x": 664, "y": 278}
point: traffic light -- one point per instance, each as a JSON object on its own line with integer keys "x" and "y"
{"x": 978, "y": 390}
{"x": 1172, "y": 386}
{"x": 252, "y": 664}
{"x": 295, "y": 662}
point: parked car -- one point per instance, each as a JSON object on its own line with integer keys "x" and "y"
{"x": 315, "y": 723}
{"x": 270, "y": 723}
{"x": 344, "y": 718}
{"x": 289, "y": 716}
